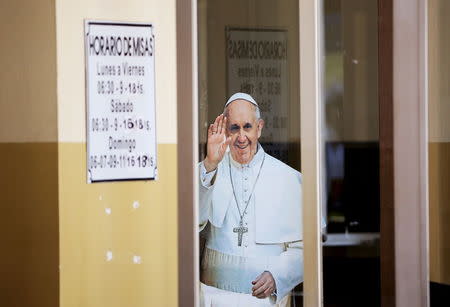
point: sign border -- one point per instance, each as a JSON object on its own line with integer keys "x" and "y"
{"x": 87, "y": 24}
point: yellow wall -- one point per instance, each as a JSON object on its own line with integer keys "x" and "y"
{"x": 87, "y": 232}
{"x": 439, "y": 157}
{"x": 29, "y": 224}
{"x": 28, "y": 151}
{"x": 439, "y": 134}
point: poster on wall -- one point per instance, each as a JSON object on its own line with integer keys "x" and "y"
{"x": 120, "y": 101}
{"x": 257, "y": 64}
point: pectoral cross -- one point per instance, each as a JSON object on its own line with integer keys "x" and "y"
{"x": 240, "y": 231}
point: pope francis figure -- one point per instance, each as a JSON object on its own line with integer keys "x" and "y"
{"x": 253, "y": 254}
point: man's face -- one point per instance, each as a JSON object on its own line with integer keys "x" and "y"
{"x": 244, "y": 129}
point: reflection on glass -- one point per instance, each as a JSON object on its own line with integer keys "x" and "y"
{"x": 249, "y": 163}
{"x": 351, "y": 154}
{"x": 439, "y": 150}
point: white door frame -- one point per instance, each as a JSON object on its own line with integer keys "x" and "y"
{"x": 410, "y": 95}
{"x": 311, "y": 90}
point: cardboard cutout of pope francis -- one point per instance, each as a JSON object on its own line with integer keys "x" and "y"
{"x": 252, "y": 201}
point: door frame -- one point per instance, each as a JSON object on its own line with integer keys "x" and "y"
{"x": 187, "y": 152}
{"x": 410, "y": 152}
{"x": 311, "y": 91}
{"x": 386, "y": 137}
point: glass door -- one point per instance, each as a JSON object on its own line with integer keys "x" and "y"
{"x": 251, "y": 179}
{"x": 351, "y": 154}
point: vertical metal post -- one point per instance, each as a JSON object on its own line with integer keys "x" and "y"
{"x": 187, "y": 111}
{"x": 410, "y": 152}
{"x": 385, "y": 98}
{"x": 311, "y": 123}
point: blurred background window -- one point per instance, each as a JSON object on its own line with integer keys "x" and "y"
{"x": 351, "y": 258}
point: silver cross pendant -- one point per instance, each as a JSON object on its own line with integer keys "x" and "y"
{"x": 240, "y": 231}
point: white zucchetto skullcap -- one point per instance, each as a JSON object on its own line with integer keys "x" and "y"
{"x": 241, "y": 96}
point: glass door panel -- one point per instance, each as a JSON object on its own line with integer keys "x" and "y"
{"x": 351, "y": 200}
{"x": 251, "y": 48}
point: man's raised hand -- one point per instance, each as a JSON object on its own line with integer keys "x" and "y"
{"x": 217, "y": 143}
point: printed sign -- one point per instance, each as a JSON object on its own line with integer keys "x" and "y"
{"x": 120, "y": 93}
{"x": 257, "y": 64}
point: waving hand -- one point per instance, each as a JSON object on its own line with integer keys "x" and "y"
{"x": 217, "y": 143}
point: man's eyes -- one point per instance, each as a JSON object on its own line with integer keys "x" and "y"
{"x": 234, "y": 128}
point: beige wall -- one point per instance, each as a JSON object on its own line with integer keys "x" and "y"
{"x": 439, "y": 70}
{"x": 70, "y": 16}
{"x": 28, "y": 71}
{"x": 439, "y": 137}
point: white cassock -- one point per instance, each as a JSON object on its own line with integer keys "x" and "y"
{"x": 274, "y": 239}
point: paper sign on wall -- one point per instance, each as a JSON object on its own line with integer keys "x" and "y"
{"x": 120, "y": 93}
